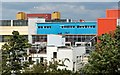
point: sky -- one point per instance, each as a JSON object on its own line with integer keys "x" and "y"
{"x": 89, "y": 11}
{"x": 60, "y": 0}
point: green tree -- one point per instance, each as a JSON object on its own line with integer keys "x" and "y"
{"x": 106, "y": 57}
{"x": 52, "y": 69}
{"x": 13, "y": 53}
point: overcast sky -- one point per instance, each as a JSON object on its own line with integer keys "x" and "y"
{"x": 89, "y": 11}
{"x": 60, "y": 0}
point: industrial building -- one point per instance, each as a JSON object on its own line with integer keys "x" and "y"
{"x": 43, "y": 42}
{"x": 108, "y": 24}
{"x": 55, "y": 38}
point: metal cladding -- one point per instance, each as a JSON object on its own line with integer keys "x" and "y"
{"x": 46, "y": 16}
{"x": 21, "y": 16}
{"x": 108, "y": 24}
{"x": 112, "y": 13}
{"x": 56, "y": 15}
{"x": 67, "y": 28}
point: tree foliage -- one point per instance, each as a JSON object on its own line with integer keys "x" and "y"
{"x": 106, "y": 57}
{"x": 52, "y": 69}
{"x": 13, "y": 53}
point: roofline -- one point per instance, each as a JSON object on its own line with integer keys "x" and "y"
{"x": 113, "y": 9}
{"x": 39, "y": 14}
{"x": 63, "y": 22}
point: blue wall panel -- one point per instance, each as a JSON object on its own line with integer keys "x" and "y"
{"x": 56, "y": 28}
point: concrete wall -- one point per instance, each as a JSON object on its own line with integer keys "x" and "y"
{"x": 78, "y": 52}
{"x": 7, "y": 30}
{"x": 50, "y": 51}
{"x": 55, "y": 40}
{"x": 73, "y": 54}
{"x": 118, "y": 22}
{"x": 32, "y": 27}
{"x": 66, "y": 53}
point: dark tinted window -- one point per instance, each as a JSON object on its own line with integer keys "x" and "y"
{"x": 20, "y": 22}
{"x": 54, "y": 54}
{"x": 5, "y": 22}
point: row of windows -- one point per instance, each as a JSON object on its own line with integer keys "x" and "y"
{"x": 69, "y": 38}
{"x": 5, "y": 22}
{"x": 79, "y": 44}
{"x": 15, "y": 22}
{"x": 68, "y": 26}
{"x": 78, "y": 38}
{"x": 42, "y": 38}
{"x": 5, "y": 38}
{"x": 20, "y": 22}
{"x": 78, "y": 26}
{"x": 37, "y": 48}
{"x": 44, "y": 26}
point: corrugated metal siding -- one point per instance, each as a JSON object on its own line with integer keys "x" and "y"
{"x": 56, "y": 28}
{"x": 106, "y": 25}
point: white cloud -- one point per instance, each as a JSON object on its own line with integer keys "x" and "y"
{"x": 77, "y": 12}
{"x": 68, "y": 10}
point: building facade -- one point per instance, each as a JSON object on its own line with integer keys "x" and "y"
{"x": 59, "y": 38}
{"x": 109, "y": 24}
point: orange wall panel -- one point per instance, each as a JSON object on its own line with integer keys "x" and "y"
{"x": 106, "y": 25}
{"x": 113, "y": 13}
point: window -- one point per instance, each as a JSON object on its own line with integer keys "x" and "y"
{"x": 79, "y": 26}
{"x": 44, "y": 26}
{"x": 87, "y": 37}
{"x": 41, "y": 59}
{"x": 73, "y": 26}
{"x": 67, "y": 26}
{"x": 93, "y": 26}
{"x": 20, "y": 22}
{"x": 77, "y": 56}
{"x": 39, "y": 38}
{"x": 87, "y": 44}
{"x": 87, "y": 51}
{"x": 83, "y": 38}
{"x": 54, "y": 54}
{"x": 62, "y": 26}
{"x": 25, "y": 36}
{"x": 40, "y": 26}
{"x": 37, "y": 61}
{"x": 82, "y": 26}
{"x": 67, "y": 44}
{"x": 86, "y": 26}
{"x": 79, "y": 38}
{"x": 5, "y": 22}
{"x": 30, "y": 59}
{"x": 0, "y": 38}
{"x": 4, "y": 38}
{"x": 78, "y": 44}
